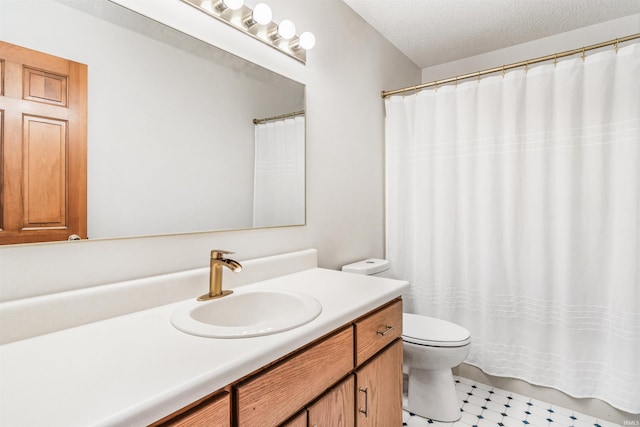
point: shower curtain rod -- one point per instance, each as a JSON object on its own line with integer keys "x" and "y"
{"x": 282, "y": 116}
{"x": 555, "y": 56}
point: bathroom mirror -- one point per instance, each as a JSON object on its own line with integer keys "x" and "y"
{"x": 171, "y": 138}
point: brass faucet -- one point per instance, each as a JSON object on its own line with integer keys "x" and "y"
{"x": 215, "y": 274}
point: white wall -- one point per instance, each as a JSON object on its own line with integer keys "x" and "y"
{"x": 570, "y": 40}
{"x": 345, "y": 73}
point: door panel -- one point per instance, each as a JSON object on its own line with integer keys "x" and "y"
{"x": 45, "y": 172}
{"x": 45, "y": 87}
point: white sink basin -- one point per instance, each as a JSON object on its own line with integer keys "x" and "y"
{"x": 246, "y": 314}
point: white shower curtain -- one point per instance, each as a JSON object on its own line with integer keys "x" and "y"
{"x": 513, "y": 207}
{"x": 279, "y": 179}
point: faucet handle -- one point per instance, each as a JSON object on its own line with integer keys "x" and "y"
{"x": 218, "y": 253}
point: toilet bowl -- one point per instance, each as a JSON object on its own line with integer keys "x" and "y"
{"x": 431, "y": 348}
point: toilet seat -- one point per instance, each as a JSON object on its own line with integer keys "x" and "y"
{"x": 432, "y": 332}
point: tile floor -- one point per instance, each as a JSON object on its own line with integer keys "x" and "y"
{"x": 486, "y": 406}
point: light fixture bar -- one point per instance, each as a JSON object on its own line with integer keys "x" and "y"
{"x": 256, "y": 23}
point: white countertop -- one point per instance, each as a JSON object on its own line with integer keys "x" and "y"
{"x": 137, "y": 368}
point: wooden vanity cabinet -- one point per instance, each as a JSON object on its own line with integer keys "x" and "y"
{"x": 376, "y": 379}
{"x": 350, "y": 378}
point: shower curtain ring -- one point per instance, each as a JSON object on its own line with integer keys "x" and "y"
{"x": 617, "y": 46}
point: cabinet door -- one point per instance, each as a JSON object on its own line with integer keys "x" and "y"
{"x": 216, "y": 412}
{"x": 299, "y": 420}
{"x": 335, "y": 408}
{"x": 379, "y": 389}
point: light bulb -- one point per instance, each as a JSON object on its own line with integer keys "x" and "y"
{"x": 262, "y": 14}
{"x": 233, "y": 4}
{"x": 307, "y": 40}
{"x": 286, "y": 29}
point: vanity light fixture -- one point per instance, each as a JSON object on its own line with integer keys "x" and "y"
{"x": 207, "y": 5}
{"x": 257, "y": 23}
{"x": 232, "y": 4}
{"x": 219, "y": 6}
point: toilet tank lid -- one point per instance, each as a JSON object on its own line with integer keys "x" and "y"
{"x": 367, "y": 266}
{"x": 432, "y": 331}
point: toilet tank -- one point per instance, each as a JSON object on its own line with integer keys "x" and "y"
{"x": 371, "y": 266}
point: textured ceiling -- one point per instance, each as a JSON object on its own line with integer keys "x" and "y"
{"x": 433, "y": 32}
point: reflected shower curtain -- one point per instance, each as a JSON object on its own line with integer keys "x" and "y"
{"x": 513, "y": 208}
{"x": 278, "y": 195}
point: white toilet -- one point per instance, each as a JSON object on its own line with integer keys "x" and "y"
{"x": 431, "y": 348}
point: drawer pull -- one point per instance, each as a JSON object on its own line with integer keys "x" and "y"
{"x": 387, "y": 329}
{"x": 365, "y": 411}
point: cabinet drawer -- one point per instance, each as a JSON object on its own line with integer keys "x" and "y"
{"x": 377, "y": 330}
{"x": 272, "y": 396}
